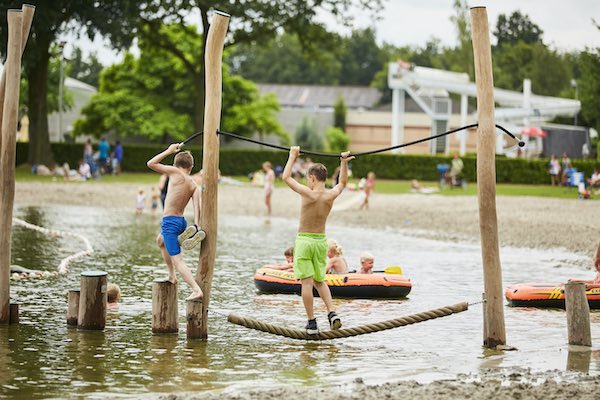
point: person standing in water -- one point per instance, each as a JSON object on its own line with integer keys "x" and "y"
{"x": 269, "y": 184}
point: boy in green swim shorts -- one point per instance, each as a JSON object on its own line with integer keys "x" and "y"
{"x": 310, "y": 250}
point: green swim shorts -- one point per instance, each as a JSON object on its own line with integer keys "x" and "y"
{"x": 310, "y": 256}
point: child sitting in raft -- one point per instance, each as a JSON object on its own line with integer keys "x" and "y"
{"x": 366, "y": 263}
{"x": 337, "y": 263}
{"x": 289, "y": 261}
{"x": 310, "y": 249}
{"x": 174, "y": 226}
{"x": 113, "y": 295}
{"x": 596, "y": 260}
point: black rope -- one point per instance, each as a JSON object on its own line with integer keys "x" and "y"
{"x": 318, "y": 154}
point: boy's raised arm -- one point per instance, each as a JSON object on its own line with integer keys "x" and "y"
{"x": 287, "y": 172}
{"x": 344, "y": 159}
{"x": 155, "y": 165}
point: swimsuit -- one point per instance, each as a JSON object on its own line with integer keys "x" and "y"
{"x": 171, "y": 227}
{"x": 310, "y": 255}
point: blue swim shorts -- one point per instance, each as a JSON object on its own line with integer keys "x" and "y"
{"x": 170, "y": 228}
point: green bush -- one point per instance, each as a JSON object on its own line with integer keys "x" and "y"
{"x": 337, "y": 140}
{"x": 386, "y": 166}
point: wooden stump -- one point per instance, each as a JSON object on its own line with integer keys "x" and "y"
{"x": 579, "y": 359}
{"x": 72, "y": 307}
{"x": 14, "y": 314}
{"x": 578, "y": 314}
{"x": 194, "y": 319}
{"x": 92, "y": 300}
{"x": 165, "y": 316}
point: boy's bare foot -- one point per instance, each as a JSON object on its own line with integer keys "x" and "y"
{"x": 172, "y": 279}
{"x": 196, "y": 295}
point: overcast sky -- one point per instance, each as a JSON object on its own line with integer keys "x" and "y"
{"x": 567, "y": 24}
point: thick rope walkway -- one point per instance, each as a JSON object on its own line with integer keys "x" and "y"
{"x": 63, "y": 267}
{"x": 252, "y": 323}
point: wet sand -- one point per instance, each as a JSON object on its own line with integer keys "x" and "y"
{"x": 530, "y": 222}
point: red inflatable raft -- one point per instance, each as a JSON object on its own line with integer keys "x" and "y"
{"x": 351, "y": 285}
{"x": 550, "y": 295}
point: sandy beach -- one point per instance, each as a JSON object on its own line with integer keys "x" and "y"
{"x": 528, "y": 222}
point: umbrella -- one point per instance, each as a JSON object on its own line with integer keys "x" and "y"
{"x": 533, "y": 131}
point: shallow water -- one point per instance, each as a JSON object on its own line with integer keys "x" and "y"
{"x": 41, "y": 357}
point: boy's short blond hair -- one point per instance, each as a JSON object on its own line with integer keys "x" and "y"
{"x": 113, "y": 293}
{"x": 366, "y": 256}
{"x": 184, "y": 160}
{"x": 332, "y": 244}
{"x": 319, "y": 171}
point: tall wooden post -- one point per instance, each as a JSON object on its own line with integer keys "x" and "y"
{"x": 210, "y": 160}
{"x": 165, "y": 316}
{"x": 494, "y": 332}
{"x": 7, "y": 154}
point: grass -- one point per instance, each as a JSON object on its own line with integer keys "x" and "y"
{"x": 23, "y": 174}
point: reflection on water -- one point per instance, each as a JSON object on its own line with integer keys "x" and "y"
{"x": 44, "y": 357}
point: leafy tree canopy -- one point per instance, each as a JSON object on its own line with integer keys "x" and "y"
{"x": 517, "y": 27}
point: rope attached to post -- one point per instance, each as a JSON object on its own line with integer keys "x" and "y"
{"x": 63, "y": 267}
{"x": 252, "y": 323}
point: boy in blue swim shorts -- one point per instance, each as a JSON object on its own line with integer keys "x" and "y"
{"x": 310, "y": 249}
{"x": 182, "y": 188}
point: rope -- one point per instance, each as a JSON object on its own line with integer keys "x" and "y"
{"x": 252, "y": 323}
{"x": 314, "y": 153}
{"x": 63, "y": 267}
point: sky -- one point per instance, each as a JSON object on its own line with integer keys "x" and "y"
{"x": 567, "y": 24}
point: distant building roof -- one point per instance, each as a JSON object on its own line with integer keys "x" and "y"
{"x": 311, "y": 96}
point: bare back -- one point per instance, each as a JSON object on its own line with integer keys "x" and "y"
{"x": 316, "y": 205}
{"x": 180, "y": 191}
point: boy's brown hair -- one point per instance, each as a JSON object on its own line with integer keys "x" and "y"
{"x": 113, "y": 293}
{"x": 319, "y": 171}
{"x": 289, "y": 252}
{"x": 184, "y": 160}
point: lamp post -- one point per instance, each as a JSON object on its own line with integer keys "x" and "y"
{"x": 61, "y": 47}
{"x": 574, "y": 85}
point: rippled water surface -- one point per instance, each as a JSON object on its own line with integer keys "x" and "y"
{"x": 41, "y": 357}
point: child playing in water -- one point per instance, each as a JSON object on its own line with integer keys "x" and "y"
{"x": 368, "y": 189}
{"x": 155, "y": 198}
{"x": 289, "y": 261}
{"x": 174, "y": 226}
{"x": 269, "y": 184}
{"x": 366, "y": 263}
{"x": 310, "y": 249}
{"x": 337, "y": 263}
{"x": 140, "y": 201}
{"x": 113, "y": 295}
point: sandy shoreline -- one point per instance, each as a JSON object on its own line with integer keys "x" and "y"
{"x": 531, "y": 222}
{"x": 523, "y": 222}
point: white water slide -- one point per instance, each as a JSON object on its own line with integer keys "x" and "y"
{"x": 429, "y": 88}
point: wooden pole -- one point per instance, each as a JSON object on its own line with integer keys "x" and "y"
{"x": 494, "y": 330}
{"x": 194, "y": 319}
{"x": 7, "y": 154}
{"x": 14, "y": 314}
{"x": 165, "y": 317}
{"x": 72, "y": 307}
{"x": 92, "y": 300}
{"x": 27, "y": 18}
{"x": 578, "y": 314}
{"x": 210, "y": 160}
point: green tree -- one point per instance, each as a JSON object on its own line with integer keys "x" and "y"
{"x": 589, "y": 87}
{"x": 517, "y": 27}
{"x": 337, "y": 140}
{"x": 307, "y": 136}
{"x": 85, "y": 70}
{"x": 339, "y": 113}
{"x": 462, "y": 55}
{"x": 115, "y": 19}
{"x": 153, "y": 96}
{"x": 361, "y": 58}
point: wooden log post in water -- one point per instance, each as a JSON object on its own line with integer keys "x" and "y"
{"x": 194, "y": 319}
{"x": 165, "y": 316}
{"x": 578, "y": 314}
{"x": 10, "y": 111}
{"x": 210, "y": 161}
{"x": 92, "y": 300}
{"x": 72, "y": 307}
{"x": 494, "y": 330}
{"x": 14, "y": 314}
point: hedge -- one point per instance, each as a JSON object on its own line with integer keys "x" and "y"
{"x": 387, "y": 166}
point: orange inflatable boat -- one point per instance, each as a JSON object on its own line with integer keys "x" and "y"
{"x": 550, "y": 295}
{"x": 351, "y": 285}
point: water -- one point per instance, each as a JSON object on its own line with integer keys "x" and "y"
{"x": 41, "y": 357}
